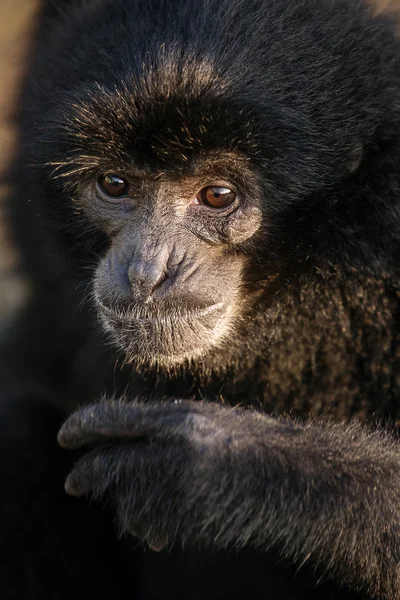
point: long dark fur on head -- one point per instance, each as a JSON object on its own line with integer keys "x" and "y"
{"x": 304, "y": 95}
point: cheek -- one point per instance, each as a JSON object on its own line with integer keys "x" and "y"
{"x": 215, "y": 276}
{"x": 111, "y": 283}
{"x": 244, "y": 225}
{"x": 109, "y": 217}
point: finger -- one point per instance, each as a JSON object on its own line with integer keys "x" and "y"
{"x": 139, "y": 483}
{"x": 118, "y": 421}
{"x": 87, "y": 476}
{"x": 156, "y": 541}
{"x": 101, "y": 422}
{"x": 97, "y": 470}
{"x": 122, "y": 466}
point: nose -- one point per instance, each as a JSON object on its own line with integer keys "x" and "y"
{"x": 146, "y": 275}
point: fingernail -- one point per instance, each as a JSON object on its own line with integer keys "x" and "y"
{"x": 75, "y": 487}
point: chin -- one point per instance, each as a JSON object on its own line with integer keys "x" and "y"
{"x": 167, "y": 340}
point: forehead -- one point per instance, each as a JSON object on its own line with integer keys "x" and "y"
{"x": 161, "y": 121}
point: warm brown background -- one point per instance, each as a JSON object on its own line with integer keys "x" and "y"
{"x": 16, "y": 22}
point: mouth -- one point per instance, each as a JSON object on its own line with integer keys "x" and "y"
{"x": 167, "y": 336}
{"x": 147, "y": 314}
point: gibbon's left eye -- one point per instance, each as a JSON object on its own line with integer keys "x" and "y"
{"x": 216, "y": 197}
{"x": 113, "y": 185}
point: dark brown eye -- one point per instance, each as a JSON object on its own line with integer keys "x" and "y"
{"x": 113, "y": 185}
{"x": 216, "y": 197}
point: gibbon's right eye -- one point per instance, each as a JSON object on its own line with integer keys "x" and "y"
{"x": 113, "y": 185}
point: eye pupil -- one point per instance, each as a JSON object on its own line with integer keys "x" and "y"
{"x": 216, "y": 196}
{"x": 113, "y": 185}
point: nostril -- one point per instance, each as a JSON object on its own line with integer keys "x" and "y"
{"x": 146, "y": 278}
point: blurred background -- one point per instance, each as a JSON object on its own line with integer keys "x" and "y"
{"x": 17, "y": 26}
{"x": 17, "y": 18}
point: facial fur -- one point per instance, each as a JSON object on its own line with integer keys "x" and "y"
{"x": 175, "y": 280}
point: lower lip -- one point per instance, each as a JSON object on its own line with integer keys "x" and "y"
{"x": 185, "y": 316}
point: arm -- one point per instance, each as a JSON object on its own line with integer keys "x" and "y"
{"x": 205, "y": 473}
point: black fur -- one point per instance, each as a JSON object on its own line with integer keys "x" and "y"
{"x": 294, "y": 105}
{"x": 50, "y": 546}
